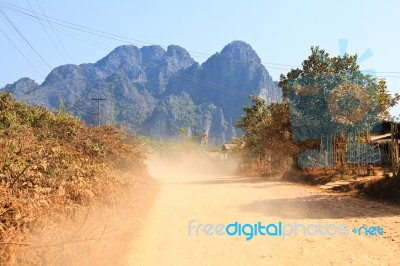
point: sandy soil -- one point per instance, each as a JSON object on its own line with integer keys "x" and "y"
{"x": 217, "y": 199}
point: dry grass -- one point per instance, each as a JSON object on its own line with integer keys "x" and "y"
{"x": 312, "y": 176}
{"x": 54, "y": 170}
{"x": 381, "y": 188}
{"x": 385, "y": 188}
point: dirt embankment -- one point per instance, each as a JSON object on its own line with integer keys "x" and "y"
{"x": 379, "y": 187}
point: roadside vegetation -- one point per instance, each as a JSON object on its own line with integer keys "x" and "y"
{"x": 54, "y": 170}
{"x": 269, "y": 143}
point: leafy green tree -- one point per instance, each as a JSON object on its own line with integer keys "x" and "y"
{"x": 386, "y": 100}
{"x": 328, "y": 95}
{"x": 61, "y": 106}
{"x": 251, "y": 122}
{"x": 267, "y": 132}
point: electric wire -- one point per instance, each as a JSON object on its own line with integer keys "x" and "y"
{"x": 47, "y": 34}
{"x": 13, "y": 44}
{"x": 129, "y": 40}
{"x": 55, "y": 33}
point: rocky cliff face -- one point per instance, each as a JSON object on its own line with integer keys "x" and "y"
{"x": 156, "y": 92}
{"x": 227, "y": 79}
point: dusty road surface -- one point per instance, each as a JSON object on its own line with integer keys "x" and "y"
{"x": 218, "y": 199}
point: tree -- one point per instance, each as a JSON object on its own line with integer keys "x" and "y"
{"x": 267, "y": 132}
{"x": 327, "y": 96}
{"x": 61, "y": 106}
{"x": 386, "y": 100}
{"x": 250, "y": 123}
{"x": 330, "y": 95}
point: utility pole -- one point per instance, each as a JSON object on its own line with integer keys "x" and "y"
{"x": 98, "y": 107}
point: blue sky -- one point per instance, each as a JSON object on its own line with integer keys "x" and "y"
{"x": 281, "y": 32}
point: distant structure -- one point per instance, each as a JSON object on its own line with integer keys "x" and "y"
{"x": 227, "y": 150}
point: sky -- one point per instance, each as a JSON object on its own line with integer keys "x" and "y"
{"x": 281, "y": 32}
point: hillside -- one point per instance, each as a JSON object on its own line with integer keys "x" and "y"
{"x": 156, "y": 92}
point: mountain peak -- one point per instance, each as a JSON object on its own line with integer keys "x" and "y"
{"x": 152, "y": 53}
{"x": 125, "y": 56}
{"x": 178, "y": 58}
{"x": 240, "y": 51}
{"x": 177, "y": 51}
{"x": 21, "y": 87}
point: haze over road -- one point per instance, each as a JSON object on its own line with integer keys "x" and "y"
{"x": 222, "y": 199}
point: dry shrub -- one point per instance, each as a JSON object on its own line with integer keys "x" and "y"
{"x": 385, "y": 188}
{"x": 314, "y": 176}
{"x": 53, "y": 169}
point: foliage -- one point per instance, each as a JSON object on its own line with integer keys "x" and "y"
{"x": 53, "y": 167}
{"x": 328, "y": 95}
{"x": 181, "y": 111}
{"x": 125, "y": 103}
{"x": 250, "y": 124}
{"x": 267, "y": 133}
{"x": 309, "y": 92}
{"x": 386, "y": 101}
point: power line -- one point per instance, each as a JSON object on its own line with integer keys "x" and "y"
{"x": 23, "y": 37}
{"x": 96, "y": 30}
{"x": 13, "y": 44}
{"x": 70, "y": 33}
{"x": 23, "y": 41}
{"x": 61, "y": 25}
{"x": 212, "y": 85}
{"x": 129, "y": 40}
{"x": 204, "y": 82}
{"x": 29, "y": 54}
{"x": 104, "y": 34}
{"x": 55, "y": 33}
{"x": 48, "y": 35}
{"x": 74, "y": 26}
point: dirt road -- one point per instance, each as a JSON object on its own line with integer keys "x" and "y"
{"x": 214, "y": 199}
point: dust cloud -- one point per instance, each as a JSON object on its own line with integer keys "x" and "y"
{"x": 99, "y": 235}
{"x": 193, "y": 189}
{"x": 193, "y": 163}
